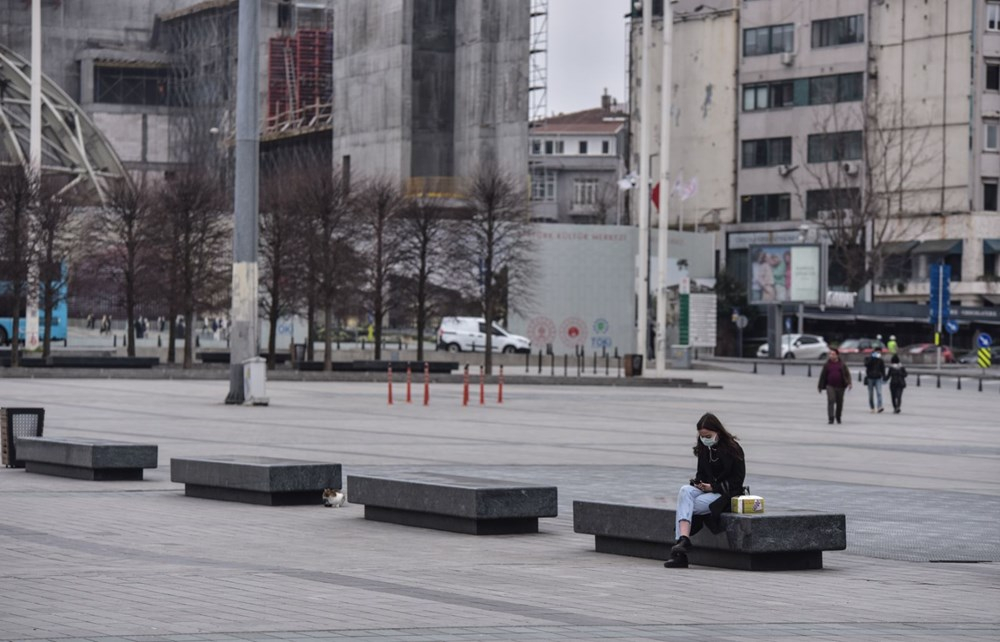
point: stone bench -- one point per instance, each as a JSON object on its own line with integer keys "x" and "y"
{"x": 772, "y": 541}
{"x": 256, "y": 480}
{"x": 94, "y": 459}
{"x": 453, "y": 502}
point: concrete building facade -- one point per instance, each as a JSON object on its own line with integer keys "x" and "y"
{"x": 427, "y": 90}
{"x": 840, "y": 106}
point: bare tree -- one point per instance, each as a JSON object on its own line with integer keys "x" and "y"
{"x": 324, "y": 199}
{"x": 425, "y": 234}
{"x": 195, "y": 230}
{"x": 123, "y": 233}
{"x": 495, "y": 247}
{"x": 860, "y": 205}
{"x": 378, "y": 203}
{"x": 18, "y": 194}
{"x": 55, "y": 238}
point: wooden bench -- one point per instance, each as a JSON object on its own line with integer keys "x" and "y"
{"x": 94, "y": 459}
{"x": 256, "y": 480}
{"x": 772, "y": 541}
{"x": 453, "y": 503}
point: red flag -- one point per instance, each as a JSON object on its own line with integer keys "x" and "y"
{"x": 654, "y": 196}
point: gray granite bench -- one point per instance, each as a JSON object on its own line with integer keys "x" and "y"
{"x": 95, "y": 459}
{"x": 256, "y": 480}
{"x": 453, "y": 502}
{"x": 772, "y": 541}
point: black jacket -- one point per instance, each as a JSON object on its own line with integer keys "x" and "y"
{"x": 874, "y": 367}
{"x": 896, "y": 376}
{"x": 727, "y": 481}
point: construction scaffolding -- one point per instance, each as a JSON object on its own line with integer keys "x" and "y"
{"x": 299, "y": 83}
{"x": 538, "y": 75}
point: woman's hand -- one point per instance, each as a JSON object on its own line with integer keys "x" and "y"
{"x": 703, "y": 487}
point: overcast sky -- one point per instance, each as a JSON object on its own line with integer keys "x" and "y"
{"x": 586, "y": 53}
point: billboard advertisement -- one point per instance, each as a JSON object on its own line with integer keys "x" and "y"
{"x": 785, "y": 274}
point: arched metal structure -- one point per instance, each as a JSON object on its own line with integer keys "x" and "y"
{"x": 72, "y": 147}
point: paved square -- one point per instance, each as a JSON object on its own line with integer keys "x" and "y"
{"x": 140, "y": 561}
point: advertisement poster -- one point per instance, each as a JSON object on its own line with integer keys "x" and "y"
{"x": 785, "y": 274}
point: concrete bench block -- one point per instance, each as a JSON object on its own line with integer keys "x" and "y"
{"x": 93, "y": 459}
{"x": 782, "y": 540}
{"x": 256, "y": 480}
{"x": 453, "y": 503}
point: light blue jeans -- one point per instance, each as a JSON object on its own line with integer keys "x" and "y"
{"x": 874, "y": 389}
{"x": 690, "y": 502}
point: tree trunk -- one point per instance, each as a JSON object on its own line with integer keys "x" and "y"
{"x": 130, "y": 319}
{"x": 328, "y": 338}
{"x": 272, "y": 336}
{"x": 15, "y": 332}
{"x": 172, "y": 336}
{"x": 310, "y": 330}
{"x": 47, "y": 304}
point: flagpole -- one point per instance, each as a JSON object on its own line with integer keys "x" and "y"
{"x": 666, "y": 95}
{"x": 642, "y": 281}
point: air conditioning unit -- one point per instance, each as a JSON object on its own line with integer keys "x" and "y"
{"x": 788, "y": 58}
{"x": 849, "y": 168}
{"x": 785, "y": 170}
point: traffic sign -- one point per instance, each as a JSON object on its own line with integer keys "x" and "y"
{"x": 951, "y": 327}
{"x": 984, "y": 340}
{"x": 984, "y": 358}
{"x": 940, "y": 281}
{"x": 741, "y": 322}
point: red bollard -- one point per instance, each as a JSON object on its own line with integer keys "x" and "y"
{"x": 500, "y": 389}
{"x": 409, "y": 398}
{"x": 465, "y": 387}
{"x": 427, "y": 383}
{"x": 390, "y": 385}
{"x": 482, "y": 386}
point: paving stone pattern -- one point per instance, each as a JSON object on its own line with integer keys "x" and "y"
{"x": 140, "y": 561}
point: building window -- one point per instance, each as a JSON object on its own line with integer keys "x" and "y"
{"x": 838, "y": 146}
{"x": 605, "y": 147}
{"x": 767, "y": 152}
{"x": 583, "y": 147}
{"x": 993, "y": 16}
{"x": 131, "y": 85}
{"x": 536, "y": 147}
{"x": 584, "y": 191}
{"x": 990, "y": 128}
{"x": 768, "y": 40}
{"x": 850, "y": 88}
{"x": 993, "y": 76}
{"x": 990, "y": 196}
{"x": 838, "y": 31}
{"x": 285, "y": 15}
{"x": 543, "y": 184}
{"x": 819, "y": 90}
{"x": 826, "y": 203}
{"x": 760, "y": 208}
{"x": 768, "y": 95}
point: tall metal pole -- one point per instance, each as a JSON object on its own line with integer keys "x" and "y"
{"x": 642, "y": 286}
{"x": 666, "y": 97}
{"x": 35, "y": 164}
{"x": 940, "y": 312}
{"x": 244, "y": 337}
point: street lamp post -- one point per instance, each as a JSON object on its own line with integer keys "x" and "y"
{"x": 666, "y": 96}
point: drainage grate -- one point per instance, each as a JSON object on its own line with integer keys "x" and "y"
{"x": 14, "y": 423}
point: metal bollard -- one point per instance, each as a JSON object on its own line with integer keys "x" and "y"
{"x": 565, "y": 365}
{"x": 939, "y": 381}
{"x": 539, "y": 361}
{"x": 527, "y": 362}
{"x": 619, "y": 366}
{"x": 782, "y": 368}
{"x": 607, "y": 364}
{"x": 595, "y": 362}
{"x": 755, "y": 367}
{"x": 959, "y": 381}
{"x": 980, "y": 384}
{"x": 114, "y": 341}
{"x": 552, "y": 364}
{"x": 159, "y": 341}
{"x": 918, "y": 379}
{"x": 809, "y": 371}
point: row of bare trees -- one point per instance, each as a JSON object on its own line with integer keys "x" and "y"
{"x": 327, "y": 247}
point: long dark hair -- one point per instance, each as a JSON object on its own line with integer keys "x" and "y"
{"x": 726, "y": 440}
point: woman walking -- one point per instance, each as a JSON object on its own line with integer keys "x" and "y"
{"x": 896, "y": 376}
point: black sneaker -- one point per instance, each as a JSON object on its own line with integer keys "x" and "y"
{"x": 682, "y": 546}
{"x": 838, "y": 420}
{"x": 676, "y": 561}
{"x": 830, "y": 422}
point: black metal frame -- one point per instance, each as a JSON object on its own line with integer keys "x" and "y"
{"x": 10, "y": 431}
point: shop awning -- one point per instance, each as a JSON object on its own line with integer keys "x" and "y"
{"x": 992, "y": 299}
{"x": 991, "y": 246}
{"x": 946, "y": 246}
{"x": 904, "y": 247}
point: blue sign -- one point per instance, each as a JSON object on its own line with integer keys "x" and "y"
{"x": 788, "y": 324}
{"x": 951, "y": 327}
{"x": 940, "y": 281}
{"x": 985, "y": 340}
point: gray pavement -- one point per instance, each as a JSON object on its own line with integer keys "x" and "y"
{"x": 140, "y": 561}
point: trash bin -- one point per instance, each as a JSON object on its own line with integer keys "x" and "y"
{"x": 255, "y": 381}
{"x": 633, "y": 365}
{"x": 300, "y": 352}
{"x": 681, "y": 357}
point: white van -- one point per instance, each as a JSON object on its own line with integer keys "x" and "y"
{"x": 468, "y": 334}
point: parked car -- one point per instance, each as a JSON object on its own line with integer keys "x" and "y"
{"x": 468, "y": 334}
{"x": 926, "y": 353}
{"x": 798, "y": 346}
{"x": 972, "y": 357}
{"x": 860, "y": 346}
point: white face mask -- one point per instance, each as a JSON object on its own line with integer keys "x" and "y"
{"x": 709, "y": 441}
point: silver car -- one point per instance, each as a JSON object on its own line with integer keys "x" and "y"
{"x": 798, "y": 346}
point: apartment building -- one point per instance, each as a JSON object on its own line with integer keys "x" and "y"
{"x": 576, "y": 161}
{"x": 843, "y": 107}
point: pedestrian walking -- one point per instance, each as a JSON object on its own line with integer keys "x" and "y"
{"x": 720, "y": 476}
{"x": 892, "y": 346}
{"x": 90, "y": 321}
{"x": 835, "y": 378}
{"x": 874, "y": 375}
{"x": 896, "y": 376}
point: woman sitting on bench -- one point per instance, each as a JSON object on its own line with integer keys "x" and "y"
{"x": 721, "y": 471}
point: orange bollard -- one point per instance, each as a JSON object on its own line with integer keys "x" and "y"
{"x": 465, "y": 387}
{"x": 500, "y": 389}
{"x": 427, "y": 383}
{"x": 390, "y": 385}
{"x": 409, "y": 398}
{"x": 482, "y": 386}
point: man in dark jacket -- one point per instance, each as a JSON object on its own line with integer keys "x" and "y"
{"x": 835, "y": 378}
{"x": 874, "y": 374}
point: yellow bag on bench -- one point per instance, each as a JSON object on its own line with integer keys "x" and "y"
{"x": 747, "y": 504}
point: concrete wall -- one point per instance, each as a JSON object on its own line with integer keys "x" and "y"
{"x": 433, "y": 83}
